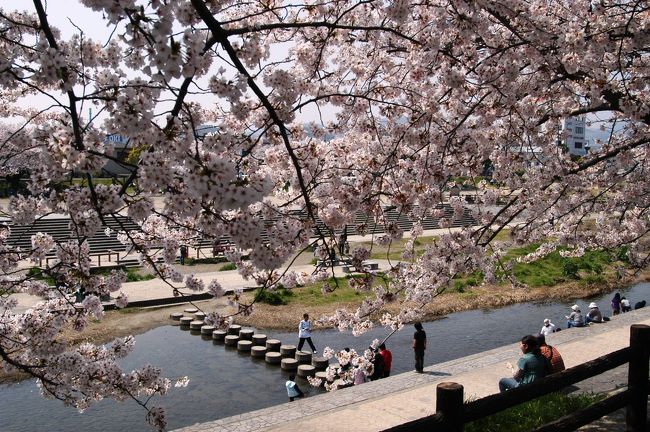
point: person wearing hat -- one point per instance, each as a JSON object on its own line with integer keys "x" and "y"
{"x": 547, "y": 328}
{"x": 594, "y": 314}
{"x": 575, "y": 319}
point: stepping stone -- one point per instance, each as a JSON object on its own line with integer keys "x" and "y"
{"x": 246, "y": 334}
{"x": 322, "y": 375}
{"x": 320, "y": 363}
{"x": 244, "y": 345}
{"x": 219, "y": 335}
{"x": 289, "y": 364}
{"x": 258, "y": 352}
{"x": 185, "y": 321}
{"x": 207, "y": 329}
{"x": 199, "y": 316}
{"x": 273, "y": 357}
{"x": 196, "y": 325}
{"x": 273, "y": 345}
{"x": 259, "y": 339}
{"x": 303, "y": 357}
{"x": 231, "y": 340}
{"x": 190, "y": 310}
{"x": 306, "y": 370}
{"x": 288, "y": 351}
{"x": 176, "y": 316}
{"x": 234, "y": 329}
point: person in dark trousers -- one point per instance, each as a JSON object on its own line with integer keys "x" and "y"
{"x": 304, "y": 333}
{"x": 183, "y": 254}
{"x": 293, "y": 391}
{"x": 387, "y": 356}
{"x": 343, "y": 239}
{"x": 378, "y": 367}
{"x": 419, "y": 345}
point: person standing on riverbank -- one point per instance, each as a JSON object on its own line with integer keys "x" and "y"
{"x": 388, "y": 359}
{"x": 304, "y": 333}
{"x": 419, "y": 345}
{"x": 616, "y": 304}
{"x": 530, "y": 367}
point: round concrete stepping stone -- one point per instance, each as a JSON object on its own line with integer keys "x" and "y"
{"x": 288, "y": 351}
{"x": 207, "y": 329}
{"x": 322, "y": 375}
{"x": 273, "y": 357}
{"x": 196, "y": 325}
{"x": 258, "y": 351}
{"x": 195, "y": 332}
{"x": 289, "y": 364}
{"x": 320, "y": 363}
{"x": 246, "y": 334}
{"x": 273, "y": 345}
{"x": 303, "y": 357}
{"x": 231, "y": 340}
{"x": 234, "y": 329}
{"x": 176, "y": 316}
{"x": 259, "y": 339}
{"x": 219, "y": 335}
{"x": 199, "y": 316}
{"x": 185, "y": 321}
{"x": 190, "y": 310}
{"x": 244, "y": 345}
{"x": 306, "y": 370}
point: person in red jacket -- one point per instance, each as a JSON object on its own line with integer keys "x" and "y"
{"x": 388, "y": 359}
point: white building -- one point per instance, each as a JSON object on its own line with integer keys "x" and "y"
{"x": 574, "y": 136}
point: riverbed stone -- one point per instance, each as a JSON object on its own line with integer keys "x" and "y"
{"x": 219, "y": 335}
{"x": 244, "y": 345}
{"x": 196, "y": 325}
{"x": 258, "y": 352}
{"x": 305, "y": 370}
{"x": 320, "y": 363}
{"x": 246, "y": 334}
{"x": 231, "y": 340}
{"x": 273, "y": 345}
{"x": 303, "y": 357}
{"x": 288, "y": 351}
{"x": 234, "y": 329}
{"x": 259, "y": 339}
{"x": 273, "y": 357}
{"x": 176, "y": 316}
{"x": 289, "y": 364}
{"x": 207, "y": 329}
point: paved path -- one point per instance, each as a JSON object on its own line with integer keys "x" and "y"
{"x": 381, "y": 404}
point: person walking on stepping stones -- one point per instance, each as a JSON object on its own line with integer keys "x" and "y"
{"x": 304, "y": 333}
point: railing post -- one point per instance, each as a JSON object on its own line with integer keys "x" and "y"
{"x": 637, "y": 378}
{"x": 449, "y": 403}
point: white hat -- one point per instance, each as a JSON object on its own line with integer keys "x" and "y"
{"x": 593, "y": 305}
{"x": 547, "y": 321}
{"x": 575, "y": 307}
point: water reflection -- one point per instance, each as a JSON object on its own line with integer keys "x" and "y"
{"x": 225, "y": 382}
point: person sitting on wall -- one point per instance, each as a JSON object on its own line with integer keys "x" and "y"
{"x": 575, "y": 318}
{"x": 594, "y": 315}
{"x": 625, "y": 305}
{"x": 530, "y": 367}
{"x": 555, "y": 361}
{"x": 548, "y": 327}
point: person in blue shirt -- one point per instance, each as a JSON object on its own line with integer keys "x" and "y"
{"x": 530, "y": 367}
{"x": 293, "y": 391}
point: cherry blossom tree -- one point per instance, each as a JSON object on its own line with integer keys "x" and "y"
{"x": 415, "y": 95}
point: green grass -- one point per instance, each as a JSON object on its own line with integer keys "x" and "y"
{"x": 228, "y": 266}
{"x": 533, "y": 414}
{"x": 132, "y": 274}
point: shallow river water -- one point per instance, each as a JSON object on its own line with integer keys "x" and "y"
{"x": 224, "y": 382}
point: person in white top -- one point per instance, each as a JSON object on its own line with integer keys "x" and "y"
{"x": 548, "y": 327}
{"x": 304, "y": 333}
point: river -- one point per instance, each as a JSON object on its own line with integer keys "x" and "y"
{"x": 224, "y": 382}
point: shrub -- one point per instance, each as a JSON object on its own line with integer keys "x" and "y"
{"x": 570, "y": 269}
{"x": 228, "y": 266}
{"x": 274, "y": 297}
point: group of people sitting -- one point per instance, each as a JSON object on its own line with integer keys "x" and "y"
{"x": 539, "y": 360}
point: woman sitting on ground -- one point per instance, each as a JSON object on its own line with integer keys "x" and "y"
{"x": 594, "y": 315}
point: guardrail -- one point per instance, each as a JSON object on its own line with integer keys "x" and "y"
{"x": 452, "y": 413}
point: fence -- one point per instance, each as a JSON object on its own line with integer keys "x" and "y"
{"x": 452, "y": 414}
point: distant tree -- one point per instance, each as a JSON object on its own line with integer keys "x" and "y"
{"x": 419, "y": 92}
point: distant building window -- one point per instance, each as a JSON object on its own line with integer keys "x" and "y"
{"x": 580, "y": 130}
{"x": 578, "y": 145}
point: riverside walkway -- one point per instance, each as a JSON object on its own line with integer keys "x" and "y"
{"x": 378, "y": 405}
